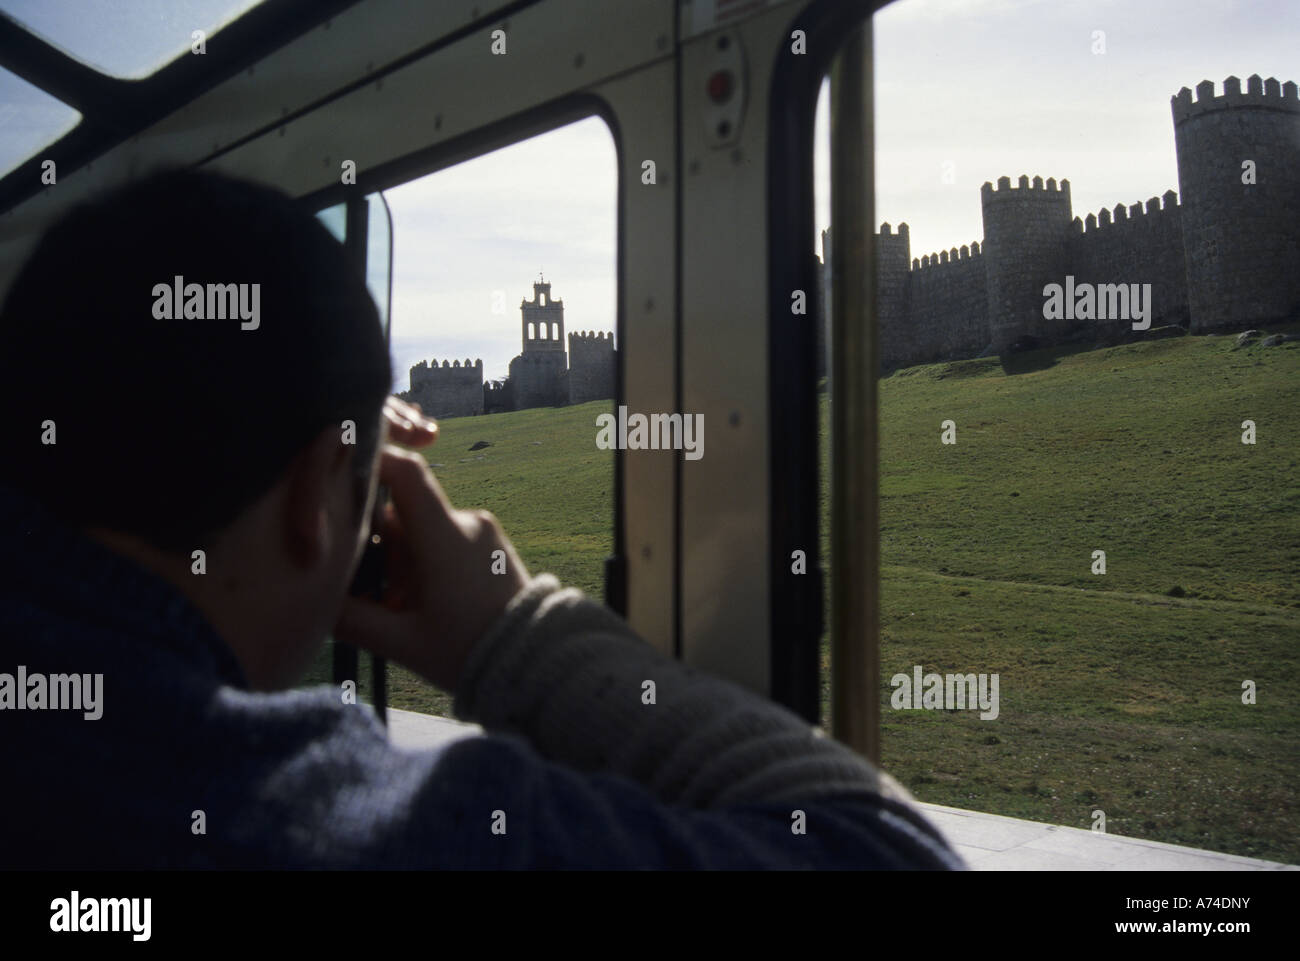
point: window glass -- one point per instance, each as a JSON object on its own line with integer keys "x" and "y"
{"x": 30, "y": 120}
{"x": 378, "y": 270}
{"x": 488, "y": 255}
{"x": 336, "y": 219}
{"x": 379, "y": 254}
{"x": 126, "y": 38}
{"x": 1098, "y": 511}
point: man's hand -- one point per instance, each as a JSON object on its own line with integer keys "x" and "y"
{"x": 442, "y": 595}
{"x": 407, "y": 424}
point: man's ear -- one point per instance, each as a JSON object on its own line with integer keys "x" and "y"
{"x": 316, "y": 477}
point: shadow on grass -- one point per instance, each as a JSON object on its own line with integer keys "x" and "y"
{"x": 1028, "y": 354}
{"x": 1028, "y": 361}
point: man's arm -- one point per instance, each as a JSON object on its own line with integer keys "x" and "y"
{"x": 567, "y": 674}
{"x": 550, "y": 666}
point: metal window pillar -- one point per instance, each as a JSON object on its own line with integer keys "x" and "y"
{"x": 370, "y": 573}
{"x": 855, "y": 364}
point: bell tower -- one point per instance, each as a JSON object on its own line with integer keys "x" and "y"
{"x": 543, "y": 320}
{"x": 539, "y": 375}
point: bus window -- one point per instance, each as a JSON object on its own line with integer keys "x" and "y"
{"x": 1082, "y": 578}
{"x": 338, "y": 663}
{"x": 503, "y": 322}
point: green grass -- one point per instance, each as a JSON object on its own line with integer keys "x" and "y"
{"x": 1119, "y": 692}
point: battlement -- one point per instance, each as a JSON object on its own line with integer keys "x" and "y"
{"x": 426, "y": 372}
{"x": 1216, "y": 252}
{"x": 1268, "y": 94}
{"x": 948, "y": 257}
{"x": 433, "y": 365}
{"x": 1025, "y": 189}
{"x": 1156, "y": 207}
{"x": 588, "y": 338}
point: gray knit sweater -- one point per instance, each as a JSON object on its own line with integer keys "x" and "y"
{"x": 186, "y": 767}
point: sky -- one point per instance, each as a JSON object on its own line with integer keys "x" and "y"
{"x": 1011, "y": 87}
{"x": 124, "y": 38}
{"x": 469, "y": 241}
{"x": 964, "y": 92}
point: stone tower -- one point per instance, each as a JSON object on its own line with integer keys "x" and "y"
{"x": 539, "y": 375}
{"x": 1241, "y": 239}
{"x": 1026, "y": 229}
{"x": 893, "y": 257}
{"x": 543, "y": 320}
{"x": 592, "y": 363}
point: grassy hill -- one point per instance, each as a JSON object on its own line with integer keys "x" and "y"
{"x": 1119, "y": 692}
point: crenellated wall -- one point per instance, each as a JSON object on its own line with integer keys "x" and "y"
{"x": 543, "y": 375}
{"x": 498, "y": 397}
{"x": 1223, "y": 252}
{"x": 948, "y": 309}
{"x": 1228, "y": 255}
{"x": 1134, "y": 245}
{"x": 592, "y": 362}
{"x": 450, "y": 390}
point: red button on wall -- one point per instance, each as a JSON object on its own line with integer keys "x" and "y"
{"x": 720, "y": 86}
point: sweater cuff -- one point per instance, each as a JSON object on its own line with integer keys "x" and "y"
{"x": 512, "y": 622}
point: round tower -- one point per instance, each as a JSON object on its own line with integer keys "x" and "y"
{"x": 1238, "y": 157}
{"x": 1026, "y": 231}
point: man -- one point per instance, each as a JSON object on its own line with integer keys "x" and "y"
{"x": 193, "y": 389}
